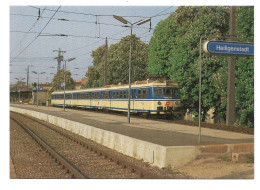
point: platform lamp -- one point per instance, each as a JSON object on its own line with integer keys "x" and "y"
{"x": 124, "y": 21}
{"x": 19, "y": 80}
{"x": 64, "y": 68}
{"x": 37, "y": 85}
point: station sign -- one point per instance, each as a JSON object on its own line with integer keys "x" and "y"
{"x": 228, "y": 48}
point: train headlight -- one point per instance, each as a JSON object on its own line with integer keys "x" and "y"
{"x": 159, "y": 103}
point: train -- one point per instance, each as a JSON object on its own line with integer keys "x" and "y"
{"x": 148, "y": 97}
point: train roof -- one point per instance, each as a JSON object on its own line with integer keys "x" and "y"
{"x": 137, "y": 84}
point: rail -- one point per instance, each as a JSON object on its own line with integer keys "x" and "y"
{"x": 58, "y": 158}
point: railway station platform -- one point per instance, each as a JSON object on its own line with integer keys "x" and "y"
{"x": 156, "y": 142}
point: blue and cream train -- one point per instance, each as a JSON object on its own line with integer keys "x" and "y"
{"x": 151, "y": 97}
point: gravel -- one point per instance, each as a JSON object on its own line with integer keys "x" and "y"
{"x": 30, "y": 161}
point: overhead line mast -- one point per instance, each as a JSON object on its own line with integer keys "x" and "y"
{"x": 59, "y": 59}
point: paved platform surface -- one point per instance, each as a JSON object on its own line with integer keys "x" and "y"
{"x": 161, "y": 133}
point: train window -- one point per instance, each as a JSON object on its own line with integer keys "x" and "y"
{"x": 81, "y": 95}
{"x": 104, "y": 95}
{"x": 176, "y": 92}
{"x": 117, "y": 95}
{"x": 144, "y": 93}
{"x": 134, "y": 95}
{"x": 158, "y": 91}
{"x": 95, "y": 95}
{"x": 149, "y": 91}
{"x": 139, "y": 93}
{"x": 113, "y": 95}
{"x": 67, "y": 96}
{"x": 168, "y": 91}
{"x": 125, "y": 94}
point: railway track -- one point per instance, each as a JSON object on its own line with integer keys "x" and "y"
{"x": 79, "y": 157}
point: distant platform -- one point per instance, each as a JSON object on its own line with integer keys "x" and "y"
{"x": 156, "y": 142}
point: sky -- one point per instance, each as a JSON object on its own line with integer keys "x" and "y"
{"x": 86, "y": 27}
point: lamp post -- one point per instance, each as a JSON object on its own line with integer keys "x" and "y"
{"x": 121, "y": 19}
{"x": 37, "y": 85}
{"x": 64, "y": 85}
{"x": 19, "y": 80}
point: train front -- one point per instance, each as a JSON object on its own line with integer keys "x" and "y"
{"x": 167, "y": 99}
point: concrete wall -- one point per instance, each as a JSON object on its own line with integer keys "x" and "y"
{"x": 157, "y": 155}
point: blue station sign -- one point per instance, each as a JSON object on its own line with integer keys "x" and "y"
{"x": 229, "y": 48}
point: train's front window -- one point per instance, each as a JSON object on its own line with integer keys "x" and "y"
{"x": 168, "y": 91}
{"x": 176, "y": 93}
{"x": 171, "y": 92}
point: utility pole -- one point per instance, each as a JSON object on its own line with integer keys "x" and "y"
{"x": 230, "y": 116}
{"x": 59, "y": 59}
{"x": 105, "y": 65}
{"x": 27, "y": 82}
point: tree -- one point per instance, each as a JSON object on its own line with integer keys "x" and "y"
{"x": 174, "y": 50}
{"x": 69, "y": 81}
{"x": 118, "y": 61}
{"x": 174, "y": 53}
{"x": 160, "y": 46}
{"x": 95, "y": 73}
{"x": 245, "y": 70}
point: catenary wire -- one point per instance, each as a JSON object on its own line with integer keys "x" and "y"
{"x": 27, "y": 33}
{"x": 36, "y": 36}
